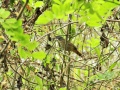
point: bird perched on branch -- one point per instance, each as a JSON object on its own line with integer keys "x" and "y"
{"x": 69, "y": 46}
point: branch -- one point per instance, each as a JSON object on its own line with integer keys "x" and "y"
{"x": 68, "y": 39}
{"x": 21, "y": 11}
{"x": 35, "y": 16}
{"x": 110, "y": 20}
{"x": 56, "y": 30}
{"x": 4, "y": 48}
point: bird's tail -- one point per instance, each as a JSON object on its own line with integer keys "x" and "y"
{"x": 78, "y": 53}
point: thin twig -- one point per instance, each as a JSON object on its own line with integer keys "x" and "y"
{"x": 56, "y": 30}
{"x": 20, "y": 74}
{"x": 4, "y": 48}
{"x": 21, "y": 11}
{"x": 68, "y": 40}
{"x": 110, "y": 20}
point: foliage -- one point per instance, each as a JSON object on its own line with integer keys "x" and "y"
{"x": 32, "y": 56}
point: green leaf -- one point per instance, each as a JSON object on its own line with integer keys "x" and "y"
{"x": 42, "y": 20}
{"x": 38, "y": 88}
{"x": 93, "y": 42}
{"x": 39, "y": 81}
{"x": 64, "y": 88}
{"x": 18, "y": 30}
{"x": 2, "y": 11}
{"x": 112, "y": 66}
{"x": 97, "y": 51}
{"x": 76, "y": 4}
{"x": 5, "y": 14}
{"x": 39, "y": 4}
{"x": 39, "y": 55}
{"x": 73, "y": 31}
{"x": 57, "y": 10}
{"x": 1, "y": 39}
{"x": 23, "y": 53}
{"x": 49, "y": 15}
{"x": 10, "y": 33}
{"x": 67, "y": 8}
{"x": 95, "y": 13}
{"x": 57, "y": 1}
{"x": 32, "y": 45}
{"x": 1, "y": 20}
{"x": 77, "y": 72}
{"x": 17, "y": 25}
{"x": 23, "y": 39}
{"x": 106, "y": 75}
{"x": 93, "y": 77}
{"x": 85, "y": 72}
{"x": 19, "y": 22}
{"x": 11, "y": 20}
{"x": 5, "y": 25}
{"x": 12, "y": 24}
{"x": 31, "y": 1}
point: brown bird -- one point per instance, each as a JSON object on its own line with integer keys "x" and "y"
{"x": 69, "y": 46}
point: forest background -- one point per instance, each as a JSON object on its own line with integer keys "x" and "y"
{"x": 31, "y": 58}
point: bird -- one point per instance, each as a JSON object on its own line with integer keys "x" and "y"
{"x": 69, "y": 45}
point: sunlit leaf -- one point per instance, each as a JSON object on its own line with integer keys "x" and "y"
{"x": 5, "y": 25}
{"x": 64, "y": 88}
{"x": 93, "y": 42}
{"x": 42, "y": 20}
{"x": 32, "y": 45}
{"x": 3, "y": 13}
{"x": 6, "y": 14}
{"x": 23, "y": 53}
{"x": 22, "y": 38}
{"x": 39, "y": 81}
{"x": 39, "y": 55}
{"x": 39, "y": 4}
{"x": 49, "y": 15}
{"x": 112, "y": 66}
{"x": 1, "y": 20}
{"x": 11, "y": 20}
{"x": 106, "y": 75}
{"x": 96, "y": 12}
{"x": 57, "y": 11}
{"x": 19, "y": 22}
{"x": 57, "y": 1}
